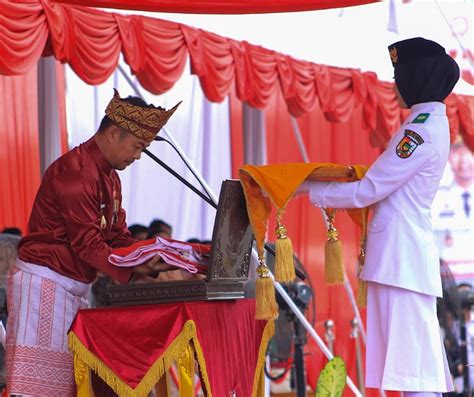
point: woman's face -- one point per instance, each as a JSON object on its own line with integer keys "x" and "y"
{"x": 400, "y": 100}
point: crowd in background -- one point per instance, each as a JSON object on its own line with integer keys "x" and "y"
{"x": 453, "y": 225}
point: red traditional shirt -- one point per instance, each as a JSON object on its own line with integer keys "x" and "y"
{"x": 77, "y": 217}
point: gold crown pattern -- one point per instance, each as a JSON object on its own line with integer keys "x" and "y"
{"x": 143, "y": 122}
{"x": 394, "y": 55}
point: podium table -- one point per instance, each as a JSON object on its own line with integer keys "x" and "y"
{"x": 131, "y": 348}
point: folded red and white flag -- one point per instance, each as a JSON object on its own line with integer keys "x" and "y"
{"x": 191, "y": 257}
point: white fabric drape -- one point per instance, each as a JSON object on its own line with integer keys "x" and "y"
{"x": 149, "y": 192}
{"x": 48, "y": 115}
{"x": 255, "y": 141}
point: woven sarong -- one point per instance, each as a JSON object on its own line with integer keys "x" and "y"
{"x": 41, "y": 307}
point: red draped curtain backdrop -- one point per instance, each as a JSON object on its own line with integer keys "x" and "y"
{"x": 156, "y": 51}
{"x": 19, "y": 148}
{"x": 219, "y": 6}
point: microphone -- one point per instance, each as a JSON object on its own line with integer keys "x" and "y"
{"x": 159, "y": 138}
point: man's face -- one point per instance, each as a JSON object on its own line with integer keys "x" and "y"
{"x": 125, "y": 148}
{"x": 141, "y": 236}
{"x": 165, "y": 232}
{"x": 462, "y": 163}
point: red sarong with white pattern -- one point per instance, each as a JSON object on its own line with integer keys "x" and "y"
{"x": 41, "y": 307}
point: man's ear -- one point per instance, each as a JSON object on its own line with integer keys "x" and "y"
{"x": 113, "y": 133}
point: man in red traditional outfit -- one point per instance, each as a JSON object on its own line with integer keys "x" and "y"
{"x": 76, "y": 221}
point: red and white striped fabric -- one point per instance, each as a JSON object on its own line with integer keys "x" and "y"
{"x": 41, "y": 307}
{"x": 191, "y": 257}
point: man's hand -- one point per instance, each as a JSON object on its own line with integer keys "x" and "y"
{"x": 152, "y": 267}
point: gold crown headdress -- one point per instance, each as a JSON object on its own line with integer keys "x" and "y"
{"x": 143, "y": 122}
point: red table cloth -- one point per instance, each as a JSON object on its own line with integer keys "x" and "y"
{"x": 130, "y": 348}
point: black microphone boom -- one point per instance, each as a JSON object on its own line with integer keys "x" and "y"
{"x": 269, "y": 249}
{"x": 179, "y": 177}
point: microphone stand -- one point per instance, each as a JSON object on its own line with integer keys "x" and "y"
{"x": 329, "y": 335}
{"x": 269, "y": 249}
{"x": 180, "y": 178}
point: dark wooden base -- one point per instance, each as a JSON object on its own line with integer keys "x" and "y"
{"x": 163, "y": 292}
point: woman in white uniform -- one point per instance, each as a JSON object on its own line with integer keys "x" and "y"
{"x": 404, "y": 348}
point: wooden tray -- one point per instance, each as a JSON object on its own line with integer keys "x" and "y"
{"x": 329, "y": 173}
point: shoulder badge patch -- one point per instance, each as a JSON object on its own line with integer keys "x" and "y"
{"x": 408, "y": 144}
{"x": 421, "y": 118}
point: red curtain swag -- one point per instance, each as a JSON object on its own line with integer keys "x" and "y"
{"x": 219, "y": 6}
{"x": 156, "y": 51}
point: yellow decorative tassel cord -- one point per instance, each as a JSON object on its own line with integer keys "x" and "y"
{"x": 82, "y": 377}
{"x": 205, "y": 385}
{"x": 258, "y": 389}
{"x": 334, "y": 266}
{"x": 186, "y": 371}
{"x": 361, "y": 298}
{"x": 157, "y": 370}
{"x": 284, "y": 264}
{"x": 266, "y": 306}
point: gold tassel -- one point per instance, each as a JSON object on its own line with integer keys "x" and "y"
{"x": 258, "y": 389}
{"x": 361, "y": 298}
{"x": 82, "y": 376}
{"x": 266, "y": 306}
{"x": 334, "y": 266}
{"x": 362, "y": 294}
{"x": 284, "y": 265}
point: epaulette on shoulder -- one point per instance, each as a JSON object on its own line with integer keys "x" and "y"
{"x": 421, "y": 118}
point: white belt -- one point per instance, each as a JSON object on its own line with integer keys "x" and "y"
{"x": 74, "y": 287}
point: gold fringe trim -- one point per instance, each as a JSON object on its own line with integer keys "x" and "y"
{"x": 187, "y": 335}
{"x": 156, "y": 371}
{"x": 202, "y": 367}
{"x": 268, "y": 333}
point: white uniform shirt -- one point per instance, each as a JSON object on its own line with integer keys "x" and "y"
{"x": 401, "y": 249}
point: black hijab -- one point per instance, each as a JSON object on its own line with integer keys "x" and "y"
{"x": 423, "y": 70}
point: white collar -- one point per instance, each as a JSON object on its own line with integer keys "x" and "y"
{"x": 429, "y": 107}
